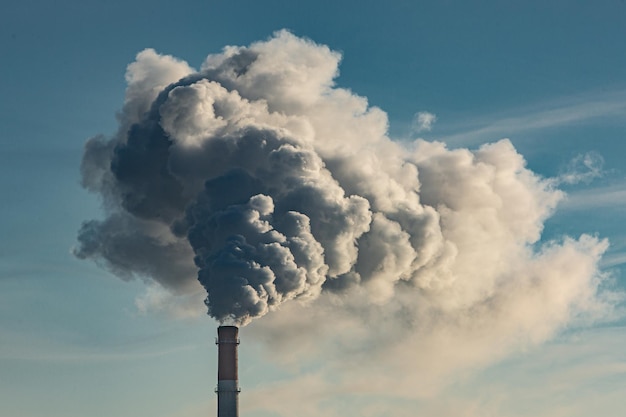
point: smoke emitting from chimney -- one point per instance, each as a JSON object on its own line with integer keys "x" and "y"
{"x": 227, "y": 372}
{"x": 255, "y": 181}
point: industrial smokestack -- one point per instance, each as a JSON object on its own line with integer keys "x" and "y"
{"x": 227, "y": 379}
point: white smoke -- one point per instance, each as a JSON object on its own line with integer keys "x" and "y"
{"x": 260, "y": 178}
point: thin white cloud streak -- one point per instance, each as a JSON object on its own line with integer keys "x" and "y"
{"x": 613, "y": 259}
{"x": 564, "y": 112}
{"x": 612, "y": 196}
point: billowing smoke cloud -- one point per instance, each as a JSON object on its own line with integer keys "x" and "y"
{"x": 260, "y": 178}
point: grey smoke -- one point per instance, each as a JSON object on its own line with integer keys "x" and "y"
{"x": 264, "y": 181}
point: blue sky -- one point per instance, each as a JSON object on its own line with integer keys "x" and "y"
{"x": 547, "y": 75}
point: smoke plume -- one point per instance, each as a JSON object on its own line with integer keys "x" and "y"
{"x": 258, "y": 177}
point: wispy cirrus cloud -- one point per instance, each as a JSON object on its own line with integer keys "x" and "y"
{"x": 557, "y": 113}
{"x": 610, "y": 196}
{"x": 613, "y": 259}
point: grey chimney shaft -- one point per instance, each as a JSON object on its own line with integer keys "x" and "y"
{"x": 227, "y": 378}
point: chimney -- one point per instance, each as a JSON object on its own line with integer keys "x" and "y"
{"x": 227, "y": 379}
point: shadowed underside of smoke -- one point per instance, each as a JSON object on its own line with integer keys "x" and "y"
{"x": 264, "y": 181}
